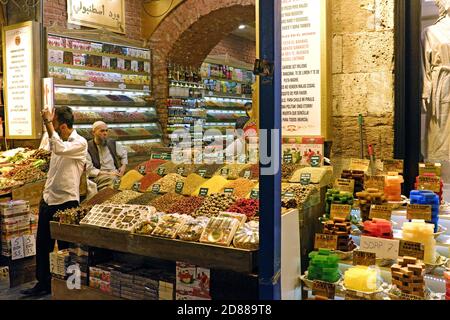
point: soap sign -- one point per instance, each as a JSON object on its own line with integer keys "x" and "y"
{"x": 380, "y": 212}
{"x": 393, "y": 165}
{"x": 324, "y": 289}
{"x": 363, "y": 258}
{"x": 429, "y": 183}
{"x": 383, "y": 248}
{"x": 341, "y": 211}
{"x": 374, "y": 182}
{"x": 412, "y": 249}
{"x": 346, "y": 185}
{"x": 418, "y": 212}
{"x": 359, "y": 164}
{"x": 325, "y": 241}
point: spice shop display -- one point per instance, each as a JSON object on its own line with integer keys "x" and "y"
{"x": 247, "y": 236}
{"x": 368, "y": 198}
{"x": 72, "y": 216}
{"x": 129, "y": 179}
{"x": 378, "y": 228}
{"x": 193, "y": 229}
{"x": 165, "y": 202}
{"x": 214, "y": 185}
{"x": 287, "y": 170}
{"x": 221, "y": 229}
{"x": 208, "y": 170}
{"x": 214, "y": 204}
{"x": 422, "y": 232}
{"x": 240, "y": 187}
{"x": 148, "y": 180}
{"x": 169, "y": 225}
{"x": 187, "y": 205}
{"x": 167, "y": 183}
{"x": 192, "y": 182}
{"x": 362, "y": 279}
{"x": 408, "y": 276}
{"x": 342, "y": 229}
{"x": 123, "y": 197}
{"x": 186, "y": 169}
{"x": 323, "y": 266}
{"x": 248, "y": 207}
{"x": 427, "y": 198}
{"x": 231, "y": 171}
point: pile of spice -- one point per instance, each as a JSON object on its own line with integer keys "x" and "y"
{"x": 168, "y": 183}
{"x": 253, "y": 170}
{"x": 215, "y": 204}
{"x": 165, "y": 202}
{"x": 148, "y": 180}
{"x": 208, "y": 170}
{"x": 129, "y": 179}
{"x": 188, "y": 205}
{"x": 287, "y": 170}
{"x": 192, "y": 182}
{"x": 102, "y": 196}
{"x": 249, "y": 207}
{"x": 231, "y": 171}
{"x": 241, "y": 187}
{"x": 214, "y": 185}
{"x": 186, "y": 169}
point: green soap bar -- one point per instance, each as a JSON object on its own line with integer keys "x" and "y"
{"x": 324, "y": 252}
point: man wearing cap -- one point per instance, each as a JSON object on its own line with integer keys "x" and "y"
{"x": 106, "y": 160}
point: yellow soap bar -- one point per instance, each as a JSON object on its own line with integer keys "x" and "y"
{"x": 361, "y": 278}
{"x": 421, "y": 232}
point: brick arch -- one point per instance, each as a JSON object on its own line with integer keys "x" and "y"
{"x": 189, "y": 33}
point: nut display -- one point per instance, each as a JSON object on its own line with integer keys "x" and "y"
{"x": 247, "y": 237}
{"x": 188, "y": 205}
{"x": 28, "y": 174}
{"x": 168, "y": 226}
{"x": 295, "y": 195}
{"x": 168, "y": 183}
{"x": 287, "y": 170}
{"x": 165, "y": 202}
{"x": 72, "y": 216}
{"x": 208, "y": 170}
{"x": 408, "y": 276}
{"x": 214, "y": 204}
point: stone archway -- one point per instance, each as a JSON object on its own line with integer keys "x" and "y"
{"x": 189, "y": 33}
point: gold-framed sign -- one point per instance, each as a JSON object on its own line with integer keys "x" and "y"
{"x": 22, "y": 85}
{"x": 107, "y": 14}
{"x": 306, "y": 80}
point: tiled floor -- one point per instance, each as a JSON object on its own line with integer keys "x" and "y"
{"x": 14, "y": 293}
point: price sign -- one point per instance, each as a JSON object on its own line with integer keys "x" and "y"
{"x": 136, "y": 186}
{"x": 289, "y": 195}
{"x": 324, "y": 289}
{"x": 411, "y": 249}
{"x": 359, "y": 164}
{"x": 418, "y": 212}
{"x": 325, "y": 241}
{"x": 340, "y": 211}
{"x": 405, "y": 296}
{"x": 202, "y": 172}
{"x": 116, "y": 184}
{"x": 29, "y": 243}
{"x": 179, "y": 187}
{"x": 393, "y": 165}
{"x": 161, "y": 171}
{"x": 355, "y": 295}
{"x": 247, "y": 174}
{"x": 346, "y": 185}
{"x": 141, "y": 170}
{"x": 374, "y": 182}
{"x": 203, "y": 192}
{"x": 380, "y": 212}
{"x": 305, "y": 179}
{"x": 287, "y": 158}
{"x": 315, "y": 161}
{"x": 156, "y": 188}
{"x": 429, "y": 183}
{"x": 229, "y": 191}
{"x": 383, "y": 248}
{"x": 254, "y": 194}
{"x": 224, "y": 172}
{"x": 363, "y": 258}
{"x": 430, "y": 168}
{"x": 181, "y": 171}
{"x": 17, "y": 248}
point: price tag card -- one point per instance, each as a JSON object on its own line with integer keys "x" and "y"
{"x": 340, "y": 211}
{"x": 393, "y": 165}
{"x": 305, "y": 179}
{"x": 229, "y": 191}
{"x": 136, "y": 186}
{"x": 161, "y": 171}
{"x": 289, "y": 195}
{"x": 224, "y": 172}
{"x": 254, "y": 194}
{"x": 116, "y": 184}
{"x": 156, "y": 188}
{"x": 287, "y": 158}
{"x": 179, "y": 187}
{"x": 142, "y": 170}
{"x": 29, "y": 243}
{"x": 346, "y": 185}
{"x": 359, "y": 164}
{"x": 324, "y": 289}
{"x": 380, "y": 212}
{"x": 17, "y": 248}
{"x": 355, "y": 295}
{"x": 429, "y": 183}
{"x": 363, "y": 258}
{"x": 405, "y": 296}
{"x": 325, "y": 241}
{"x": 374, "y": 182}
{"x": 315, "y": 161}
{"x": 411, "y": 249}
{"x": 202, "y": 172}
{"x": 203, "y": 192}
{"x": 430, "y": 168}
{"x": 247, "y": 174}
{"x": 418, "y": 212}
{"x": 180, "y": 171}
{"x": 383, "y": 248}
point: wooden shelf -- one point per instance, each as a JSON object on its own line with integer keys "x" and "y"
{"x": 81, "y": 84}
{"x": 70, "y": 66}
{"x": 208, "y": 256}
{"x": 101, "y": 54}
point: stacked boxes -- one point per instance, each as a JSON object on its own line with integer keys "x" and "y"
{"x": 59, "y": 262}
{"x": 378, "y": 228}
{"x": 122, "y": 282}
{"x": 146, "y": 284}
{"x": 15, "y": 221}
{"x": 447, "y": 285}
{"x": 356, "y": 175}
{"x": 431, "y": 199}
{"x": 79, "y": 255}
{"x": 341, "y": 228}
{"x": 408, "y": 276}
{"x": 367, "y": 199}
{"x": 100, "y": 278}
{"x": 323, "y": 266}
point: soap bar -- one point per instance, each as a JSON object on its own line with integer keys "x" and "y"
{"x": 425, "y": 197}
{"x": 421, "y": 232}
{"x": 361, "y": 278}
{"x": 367, "y": 199}
{"x": 393, "y": 187}
{"x": 408, "y": 276}
{"x": 378, "y": 228}
{"x": 324, "y": 266}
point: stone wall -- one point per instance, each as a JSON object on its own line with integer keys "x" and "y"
{"x": 237, "y": 48}
{"x": 363, "y": 76}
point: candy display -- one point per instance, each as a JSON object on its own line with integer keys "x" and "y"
{"x": 367, "y": 198}
{"x": 214, "y": 185}
{"x": 378, "y": 228}
{"x": 187, "y": 205}
{"x": 393, "y": 187}
{"x": 146, "y": 227}
{"x": 165, "y": 202}
{"x": 334, "y": 196}
{"x": 168, "y": 183}
{"x": 249, "y": 207}
{"x": 247, "y": 236}
{"x": 129, "y": 179}
{"x": 221, "y": 229}
{"x": 241, "y": 187}
{"x": 427, "y": 198}
{"x": 72, "y": 216}
{"x": 422, "y": 232}
{"x": 169, "y": 225}
{"x": 362, "y": 279}
{"x": 356, "y": 175}
{"x": 323, "y": 266}
{"x": 342, "y": 229}
{"x": 128, "y": 219}
{"x": 192, "y": 182}
{"x": 214, "y": 204}
{"x": 192, "y": 229}
{"x": 408, "y": 276}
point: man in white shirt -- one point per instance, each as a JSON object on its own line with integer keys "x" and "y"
{"x": 106, "y": 160}
{"x": 62, "y": 188}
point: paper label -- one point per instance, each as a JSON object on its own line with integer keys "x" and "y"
{"x": 363, "y": 258}
{"x": 418, "y": 212}
{"x": 203, "y": 192}
{"x": 247, "y": 174}
{"x": 430, "y": 168}
{"x": 346, "y": 185}
{"x": 202, "y": 172}
{"x": 380, "y": 212}
{"x": 179, "y": 187}
{"x": 180, "y": 171}
{"x": 374, "y": 182}
{"x": 383, "y": 248}
{"x": 156, "y": 188}
{"x": 359, "y": 164}
{"x": 287, "y": 158}
{"x": 305, "y": 179}
{"x": 340, "y": 211}
{"x": 229, "y": 191}
{"x": 161, "y": 171}
{"x": 224, "y": 172}
{"x": 411, "y": 249}
{"x": 142, "y": 170}
{"x": 391, "y": 165}
{"x": 17, "y": 248}
{"x": 429, "y": 183}
{"x": 324, "y": 289}
{"x": 316, "y": 161}
{"x": 254, "y": 194}
{"x": 136, "y": 186}
{"x": 325, "y": 241}
{"x": 29, "y": 242}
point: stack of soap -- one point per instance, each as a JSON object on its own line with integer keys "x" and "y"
{"x": 367, "y": 198}
{"x": 342, "y": 229}
{"x": 428, "y": 198}
{"x": 323, "y": 266}
{"x": 361, "y": 278}
{"x": 356, "y": 175}
{"x": 334, "y": 196}
{"x": 422, "y": 232}
{"x": 408, "y": 276}
{"x": 378, "y": 228}
{"x": 447, "y": 281}
{"x": 393, "y": 186}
